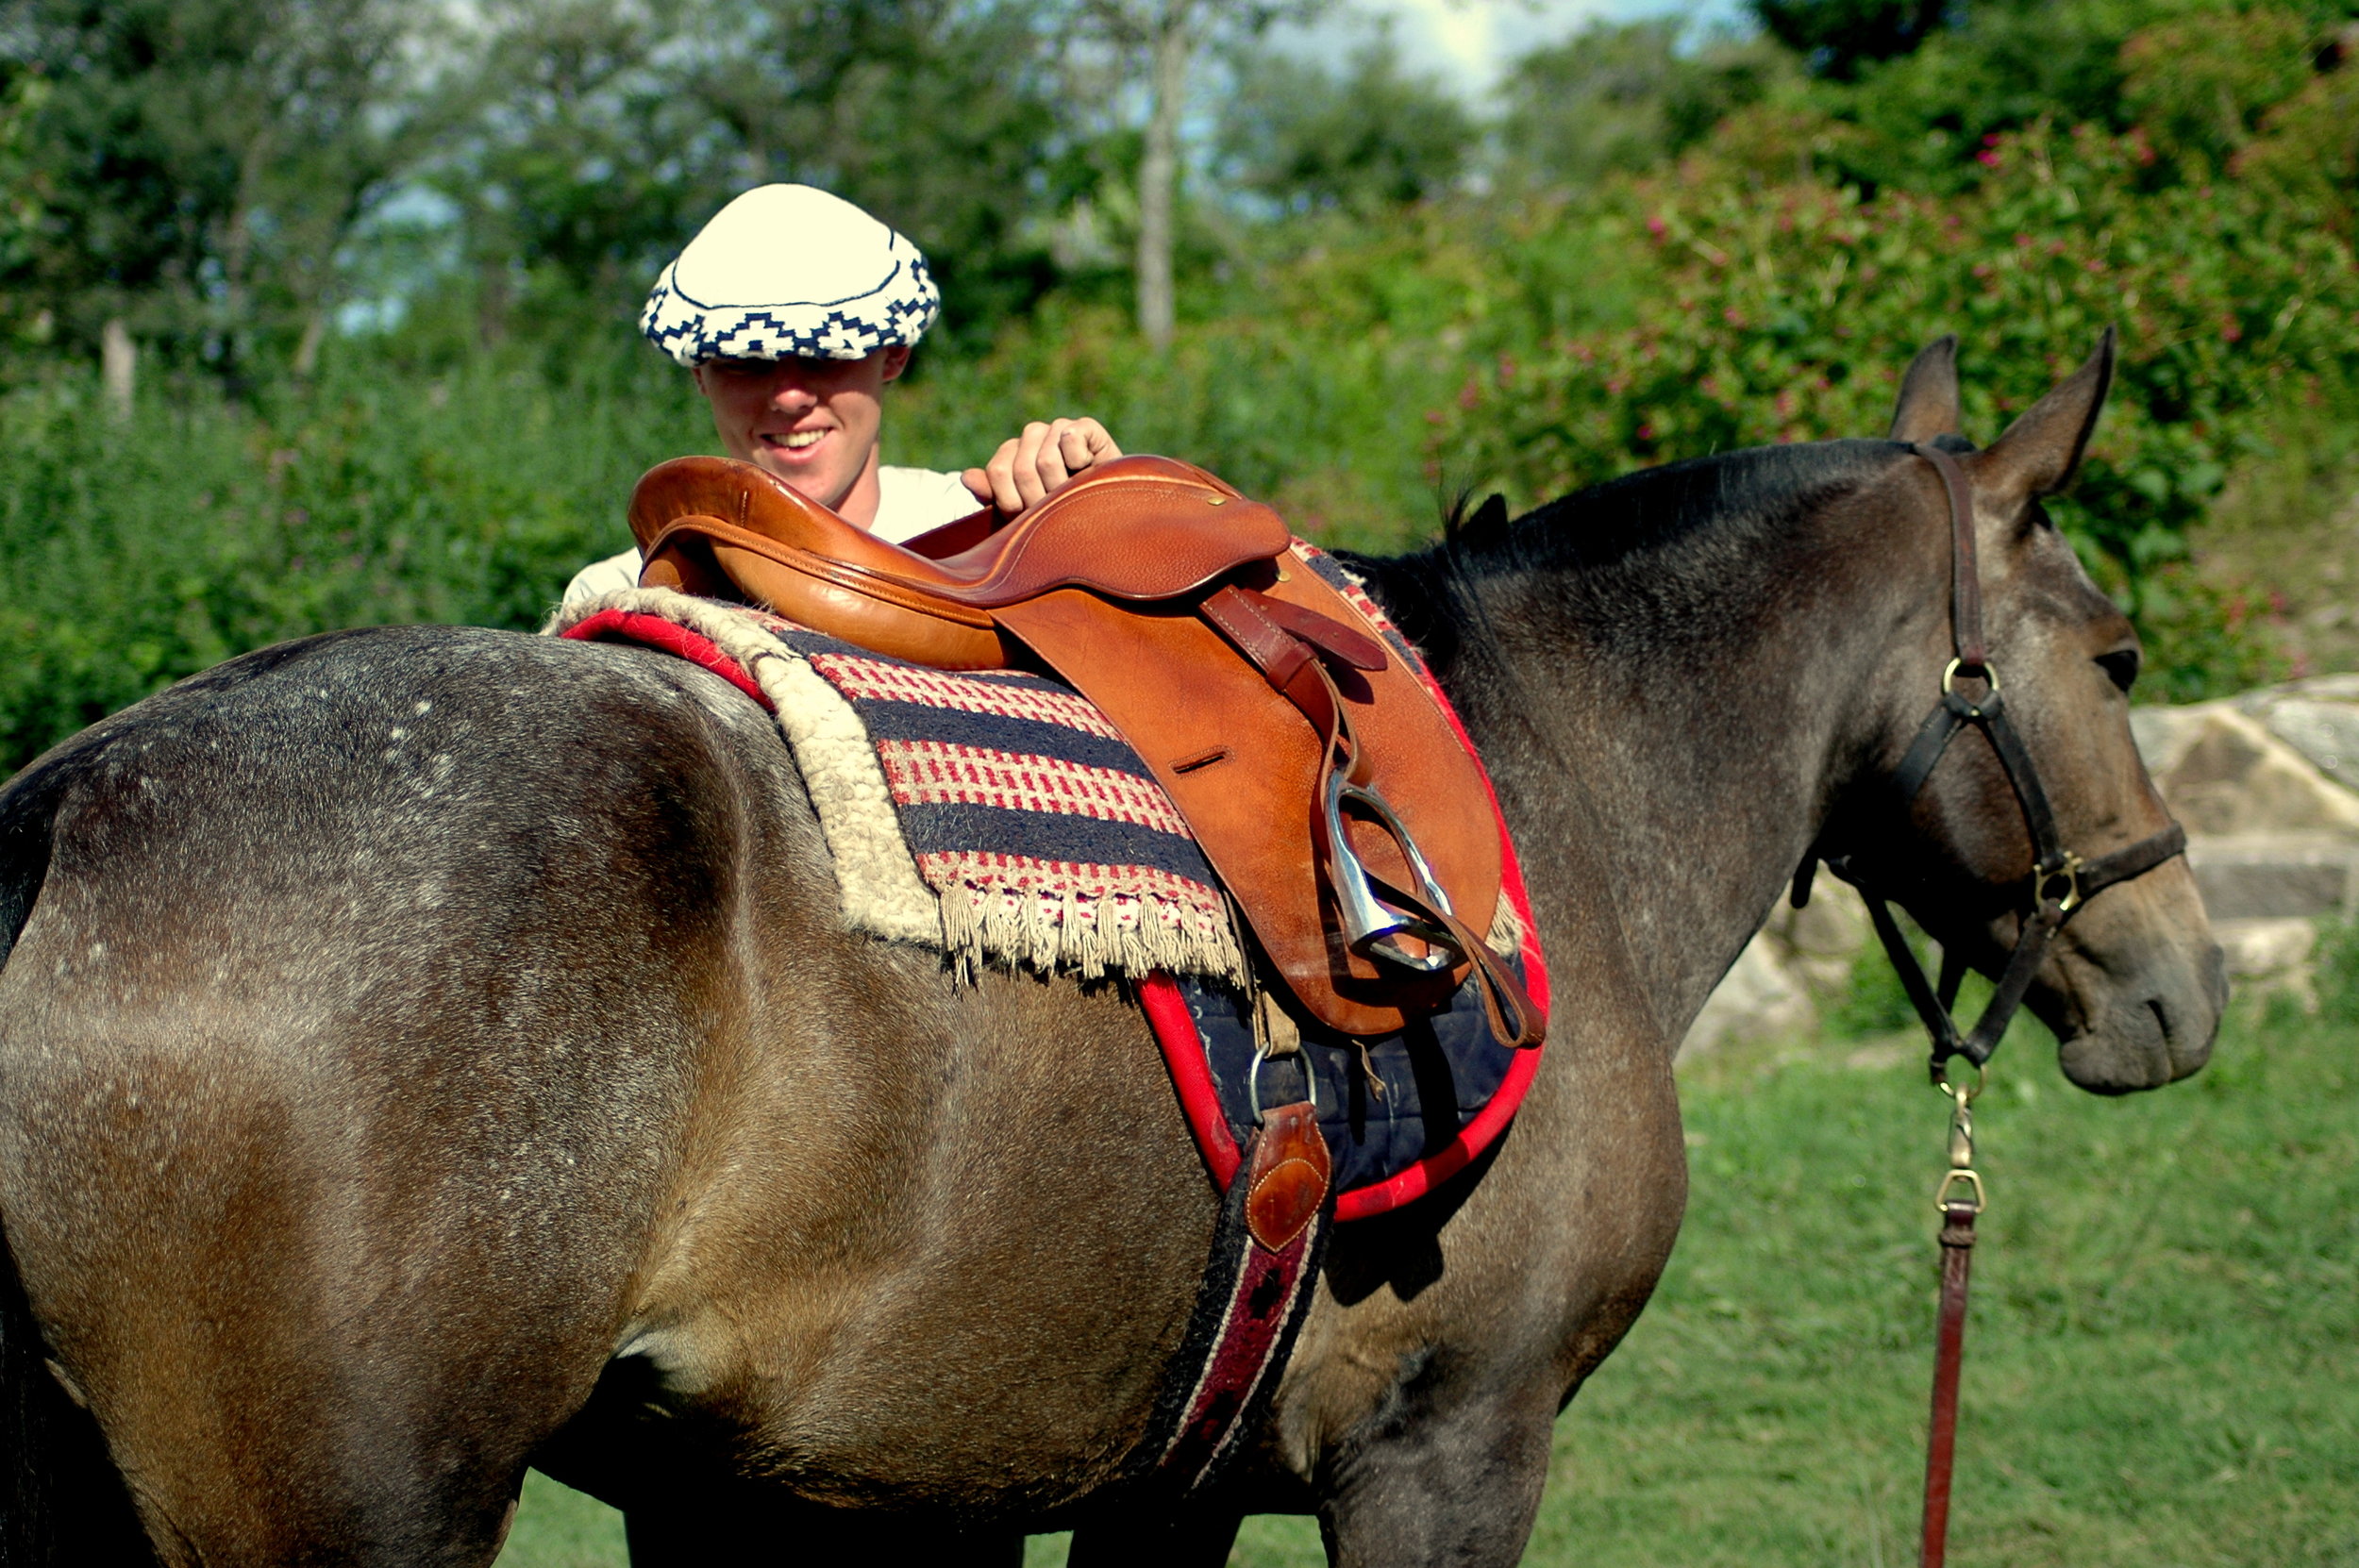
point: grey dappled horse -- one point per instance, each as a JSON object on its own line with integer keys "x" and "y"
{"x": 427, "y": 1052}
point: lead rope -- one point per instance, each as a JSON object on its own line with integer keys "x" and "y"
{"x": 1959, "y": 1199}
{"x": 2060, "y": 883}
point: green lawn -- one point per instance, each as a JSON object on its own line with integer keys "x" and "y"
{"x": 2162, "y": 1365}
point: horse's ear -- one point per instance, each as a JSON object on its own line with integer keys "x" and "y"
{"x": 1928, "y": 393}
{"x": 2040, "y": 451}
{"x": 1483, "y": 524}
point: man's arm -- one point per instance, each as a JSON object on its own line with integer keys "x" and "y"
{"x": 1029, "y": 468}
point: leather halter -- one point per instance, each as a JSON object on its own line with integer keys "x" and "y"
{"x": 2061, "y": 881}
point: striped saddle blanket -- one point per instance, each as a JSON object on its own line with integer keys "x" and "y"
{"x": 996, "y": 815}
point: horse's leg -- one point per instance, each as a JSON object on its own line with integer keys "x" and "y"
{"x": 741, "y": 1533}
{"x": 1459, "y": 1486}
{"x": 1197, "y": 1539}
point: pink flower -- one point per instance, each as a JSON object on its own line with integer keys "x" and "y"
{"x": 1655, "y": 225}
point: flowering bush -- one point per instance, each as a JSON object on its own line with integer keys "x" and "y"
{"x": 1787, "y": 312}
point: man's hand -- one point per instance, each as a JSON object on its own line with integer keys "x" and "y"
{"x": 1038, "y": 462}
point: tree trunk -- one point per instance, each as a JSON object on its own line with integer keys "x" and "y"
{"x": 118, "y": 365}
{"x": 1159, "y": 170}
{"x": 306, "y": 353}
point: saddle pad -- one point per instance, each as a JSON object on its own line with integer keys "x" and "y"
{"x": 993, "y": 814}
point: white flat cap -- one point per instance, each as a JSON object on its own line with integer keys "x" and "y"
{"x": 788, "y": 271}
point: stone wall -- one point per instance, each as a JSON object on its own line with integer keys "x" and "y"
{"x": 2268, "y": 784}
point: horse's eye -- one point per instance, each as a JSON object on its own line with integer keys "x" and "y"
{"x": 2120, "y": 667}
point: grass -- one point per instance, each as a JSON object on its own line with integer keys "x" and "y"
{"x": 2161, "y": 1363}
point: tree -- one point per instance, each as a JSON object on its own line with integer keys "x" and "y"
{"x": 1372, "y": 134}
{"x": 1837, "y": 37}
{"x": 1161, "y": 37}
{"x": 199, "y": 162}
{"x": 604, "y": 132}
{"x": 1619, "y": 97}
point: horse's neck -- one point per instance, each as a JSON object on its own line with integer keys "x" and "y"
{"x": 1689, "y": 768}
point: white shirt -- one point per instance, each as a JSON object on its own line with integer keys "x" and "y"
{"x": 910, "y": 501}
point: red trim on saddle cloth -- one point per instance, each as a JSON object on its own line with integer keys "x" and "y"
{"x": 1183, "y": 1049}
{"x": 671, "y": 637}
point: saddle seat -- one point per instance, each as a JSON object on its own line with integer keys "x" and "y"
{"x": 1180, "y": 609}
{"x": 1142, "y": 529}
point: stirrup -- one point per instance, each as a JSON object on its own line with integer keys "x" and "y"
{"x": 1370, "y": 924}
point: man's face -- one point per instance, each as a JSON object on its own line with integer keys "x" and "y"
{"x": 813, "y": 422}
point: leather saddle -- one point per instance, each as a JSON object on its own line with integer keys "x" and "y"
{"x": 1321, "y": 779}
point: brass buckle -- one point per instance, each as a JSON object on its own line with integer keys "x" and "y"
{"x": 2070, "y": 872}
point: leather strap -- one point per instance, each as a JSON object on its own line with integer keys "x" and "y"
{"x": 1966, "y": 578}
{"x": 1957, "y": 1261}
{"x": 1257, "y": 1290}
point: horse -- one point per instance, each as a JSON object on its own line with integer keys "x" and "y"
{"x": 431, "y": 1052}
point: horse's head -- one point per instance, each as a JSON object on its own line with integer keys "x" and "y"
{"x": 2133, "y": 984}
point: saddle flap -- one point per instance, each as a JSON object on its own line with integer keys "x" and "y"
{"x": 1236, "y": 758}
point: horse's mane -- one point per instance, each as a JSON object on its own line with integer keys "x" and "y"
{"x": 1669, "y": 551}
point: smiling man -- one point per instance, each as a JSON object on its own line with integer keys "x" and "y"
{"x": 794, "y": 310}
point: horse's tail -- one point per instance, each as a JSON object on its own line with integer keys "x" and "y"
{"x": 62, "y": 1501}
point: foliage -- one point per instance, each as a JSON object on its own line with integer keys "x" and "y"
{"x": 1371, "y": 136}
{"x": 1620, "y": 98}
{"x": 1920, "y": 120}
{"x": 1839, "y": 36}
{"x": 592, "y": 135}
{"x": 197, "y": 163}
{"x": 137, "y": 562}
{"x": 1785, "y": 314}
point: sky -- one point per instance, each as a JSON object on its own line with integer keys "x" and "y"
{"x": 1468, "y": 43}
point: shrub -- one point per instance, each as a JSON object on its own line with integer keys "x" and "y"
{"x": 1786, "y": 313}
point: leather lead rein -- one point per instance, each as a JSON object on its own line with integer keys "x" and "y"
{"x": 2060, "y": 883}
